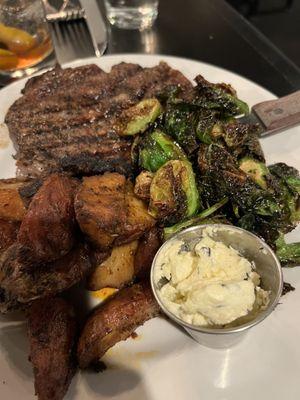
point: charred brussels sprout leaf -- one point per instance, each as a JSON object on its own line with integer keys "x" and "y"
{"x": 288, "y": 254}
{"x": 155, "y": 149}
{"x": 286, "y": 181}
{"x": 242, "y": 140}
{"x": 199, "y": 219}
{"x": 207, "y": 128}
{"x": 221, "y": 176}
{"x": 173, "y": 192}
{"x": 256, "y": 170}
{"x": 137, "y": 118}
{"x": 180, "y": 123}
{"x": 219, "y": 97}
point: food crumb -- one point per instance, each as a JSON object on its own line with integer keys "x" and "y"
{"x": 287, "y": 287}
{"x": 99, "y": 366}
{"x": 134, "y": 335}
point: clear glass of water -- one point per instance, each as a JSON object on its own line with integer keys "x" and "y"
{"x": 131, "y": 14}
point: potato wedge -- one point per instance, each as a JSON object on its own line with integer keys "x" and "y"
{"x": 8, "y": 233}
{"x": 117, "y": 270}
{"x": 12, "y": 207}
{"x": 142, "y": 185}
{"x": 100, "y": 208}
{"x": 138, "y": 220}
{"x": 149, "y": 243}
{"x": 108, "y": 211}
{"x": 115, "y": 320}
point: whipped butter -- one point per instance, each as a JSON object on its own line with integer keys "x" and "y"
{"x": 207, "y": 283}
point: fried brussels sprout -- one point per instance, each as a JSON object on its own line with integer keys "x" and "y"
{"x": 219, "y": 97}
{"x": 173, "y": 192}
{"x": 203, "y": 218}
{"x": 286, "y": 182}
{"x": 137, "y": 118}
{"x": 288, "y": 253}
{"x": 180, "y": 123}
{"x": 155, "y": 149}
{"x": 256, "y": 170}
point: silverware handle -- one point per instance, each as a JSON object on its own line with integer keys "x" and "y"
{"x": 280, "y": 114}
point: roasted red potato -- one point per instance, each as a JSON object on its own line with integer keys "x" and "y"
{"x": 52, "y": 332}
{"x": 115, "y": 320}
{"x": 47, "y": 231}
{"x": 117, "y": 270}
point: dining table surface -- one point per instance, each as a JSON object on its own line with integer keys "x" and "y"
{"x": 210, "y": 31}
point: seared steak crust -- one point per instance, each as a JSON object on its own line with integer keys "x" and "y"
{"x": 52, "y": 334}
{"x": 65, "y": 118}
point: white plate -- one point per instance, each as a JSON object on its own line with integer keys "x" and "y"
{"x": 164, "y": 363}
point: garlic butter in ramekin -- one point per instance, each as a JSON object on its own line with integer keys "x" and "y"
{"x": 216, "y": 279}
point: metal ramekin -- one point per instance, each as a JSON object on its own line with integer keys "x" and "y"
{"x": 254, "y": 249}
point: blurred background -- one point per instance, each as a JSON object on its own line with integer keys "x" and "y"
{"x": 279, "y": 20}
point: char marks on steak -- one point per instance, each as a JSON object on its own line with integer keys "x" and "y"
{"x": 52, "y": 334}
{"x": 65, "y": 118}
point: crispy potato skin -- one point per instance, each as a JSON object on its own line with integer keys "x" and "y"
{"x": 8, "y": 233}
{"x": 48, "y": 229}
{"x": 52, "y": 332}
{"x": 147, "y": 248}
{"x": 12, "y": 207}
{"x": 138, "y": 220}
{"x": 99, "y": 207}
{"x": 114, "y": 321}
{"x": 117, "y": 270}
{"x": 109, "y": 213}
{"x": 25, "y": 285}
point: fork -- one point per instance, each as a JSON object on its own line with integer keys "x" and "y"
{"x": 69, "y": 32}
{"x": 67, "y": 11}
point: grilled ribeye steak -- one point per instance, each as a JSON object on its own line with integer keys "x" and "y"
{"x": 52, "y": 334}
{"x": 114, "y": 321}
{"x": 65, "y": 119}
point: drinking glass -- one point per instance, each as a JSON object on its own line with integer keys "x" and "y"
{"x": 24, "y": 36}
{"x": 131, "y": 14}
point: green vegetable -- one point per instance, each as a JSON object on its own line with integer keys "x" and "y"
{"x": 286, "y": 182}
{"x": 288, "y": 254}
{"x": 137, "y": 118}
{"x": 201, "y": 218}
{"x": 173, "y": 192}
{"x": 207, "y": 125}
{"x": 256, "y": 170}
{"x": 222, "y": 177}
{"x": 180, "y": 123}
{"x": 219, "y": 97}
{"x": 155, "y": 149}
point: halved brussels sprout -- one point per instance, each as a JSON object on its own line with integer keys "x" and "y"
{"x": 156, "y": 149}
{"x": 173, "y": 192}
{"x": 137, "y": 118}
